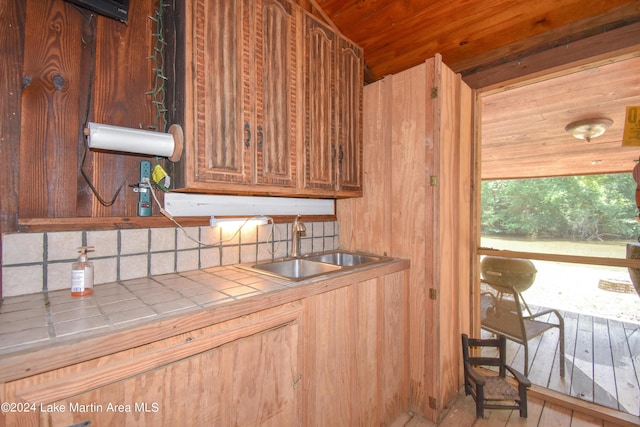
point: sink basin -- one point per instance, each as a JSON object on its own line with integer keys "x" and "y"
{"x": 344, "y": 259}
{"x": 314, "y": 265}
{"x": 295, "y": 269}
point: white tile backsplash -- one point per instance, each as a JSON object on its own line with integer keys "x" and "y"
{"x": 317, "y": 244}
{"x": 229, "y": 236}
{"x": 209, "y": 257}
{"x": 162, "y": 263}
{"x": 63, "y": 245}
{"x": 210, "y": 236}
{"x": 265, "y": 250}
{"x": 230, "y": 255}
{"x": 105, "y": 243}
{"x": 316, "y": 230}
{"x": 249, "y": 234}
{"x": 163, "y": 239}
{"x": 188, "y": 238}
{"x": 306, "y": 246}
{"x": 105, "y": 270}
{"x": 22, "y": 248}
{"x": 21, "y": 280}
{"x": 280, "y": 249}
{"x": 134, "y": 241}
{"x": 249, "y": 253}
{"x": 328, "y": 228}
{"x": 59, "y": 276}
{"x": 265, "y": 232}
{"x": 187, "y": 260}
{"x": 133, "y": 267}
{"x": 34, "y": 262}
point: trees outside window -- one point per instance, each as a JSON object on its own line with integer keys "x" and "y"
{"x": 593, "y": 207}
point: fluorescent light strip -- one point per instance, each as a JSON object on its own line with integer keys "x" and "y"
{"x": 188, "y": 204}
{"x": 238, "y": 222}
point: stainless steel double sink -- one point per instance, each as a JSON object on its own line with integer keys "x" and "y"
{"x": 314, "y": 265}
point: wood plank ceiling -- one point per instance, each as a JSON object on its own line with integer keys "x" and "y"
{"x": 523, "y": 129}
{"x": 496, "y": 45}
{"x": 471, "y": 35}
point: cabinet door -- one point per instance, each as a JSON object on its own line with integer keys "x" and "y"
{"x": 356, "y": 363}
{"x": 349, "y": 118}
{"x": 276, "y": 80}
{"x": 250, "y": 381}
{"x": 320, "y": 129}
{"x": 218, "y": 118}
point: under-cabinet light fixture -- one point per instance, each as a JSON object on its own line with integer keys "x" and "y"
{"x": 190, "y": 204}
{"x": 238, "y": 222}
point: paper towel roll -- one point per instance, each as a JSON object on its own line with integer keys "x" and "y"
{"x": 116, "y": 138}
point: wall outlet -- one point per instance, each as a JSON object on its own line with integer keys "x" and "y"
{"x": 144, "y": 203}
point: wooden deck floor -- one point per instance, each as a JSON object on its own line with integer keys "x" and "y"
{"x": 601, "y": 385}
{"x": 602, "y": 361}
{"x": 544, "y": 411}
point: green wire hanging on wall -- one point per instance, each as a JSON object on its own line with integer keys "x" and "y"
{"x": 158, "y": 91}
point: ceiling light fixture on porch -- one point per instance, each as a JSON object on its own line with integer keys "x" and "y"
{"x": 589, "y": 128}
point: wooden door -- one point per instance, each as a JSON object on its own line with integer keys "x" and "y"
{"x": 420, "y": 162}
{"x": 320, "y": 129}
{"x": 349, "y": 118}
{"x": 218, "y": 111}
{"x": 276, "y": 65}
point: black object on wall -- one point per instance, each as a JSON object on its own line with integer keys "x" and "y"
{"x": 116, "y": 9}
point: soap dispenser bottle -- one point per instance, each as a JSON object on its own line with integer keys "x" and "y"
{"x": 82, "y": 274}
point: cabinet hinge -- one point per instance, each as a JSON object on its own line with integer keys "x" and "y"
{"x": 433, "y": 180}
{"x": 433, "y": 403}
{"x": 434, "y": 92}
{"x": 433, "y": 293}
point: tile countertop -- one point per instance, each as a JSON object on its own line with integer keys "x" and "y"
{"x": 34, "y": 322}
{"x": 39, "y": 319}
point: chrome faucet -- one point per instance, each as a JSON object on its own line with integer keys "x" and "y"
{"x": 297, "y": 229}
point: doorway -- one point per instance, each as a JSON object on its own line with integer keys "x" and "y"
{"x": 523, "y": 139}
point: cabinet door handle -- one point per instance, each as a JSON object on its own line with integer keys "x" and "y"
{"x": 340, "y": 154}
{"x": 247, "y": 141}
{"x": 260, "y": 137}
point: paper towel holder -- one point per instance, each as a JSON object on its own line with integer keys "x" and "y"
{"x": 178, "y": 139}
{"x": 121, "y": 139}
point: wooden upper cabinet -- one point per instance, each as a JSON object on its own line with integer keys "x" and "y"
{"x": 319, "y": 98}
{"x": 240, "y": 88}
{"x": 218, "y": 103}
{"x": 265, "y": 84}
{"x": 333, "y": 112}
{"x": 349, "y": 118}
{"x": 276, "y": 65}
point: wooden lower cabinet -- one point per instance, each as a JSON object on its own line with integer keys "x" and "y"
{"x": 336, "y": 358}
{"x": 356, "y": 354}
{"x": 242, "y": 383}
{"x": 243, "y": 372}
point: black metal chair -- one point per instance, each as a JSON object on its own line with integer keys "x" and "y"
{"x": 489, "y": 390}
{"x": 507, "y": 312}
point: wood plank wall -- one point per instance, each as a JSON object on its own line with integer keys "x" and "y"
{"x": 12, "y": 15}
{"x": 63, "y": 66}
{"x": 67, "y": 66}
{"x": 418, "y": 125}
